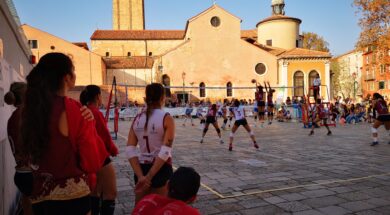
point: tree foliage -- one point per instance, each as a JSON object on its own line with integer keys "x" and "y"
{"x": 343, "y": 82}
{"x": 314, "y": 42}
{"x": 375, "y": 24}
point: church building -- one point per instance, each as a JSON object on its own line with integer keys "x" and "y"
{"x": 212, "y": 58}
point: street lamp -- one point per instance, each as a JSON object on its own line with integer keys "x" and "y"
{"x": 183, "y": 75}
{"x": 354, "y": 85}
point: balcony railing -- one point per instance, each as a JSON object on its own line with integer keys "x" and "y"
{"x": 369, "y": 77}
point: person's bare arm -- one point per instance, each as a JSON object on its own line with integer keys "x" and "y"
{"x": 169, "y": 136}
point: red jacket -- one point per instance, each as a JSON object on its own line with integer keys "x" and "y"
{"x": 103, "y": 132}
{"x": 66, "y": 167}
{"x": 161, "y": 205}
{"x": 84, "y": 138}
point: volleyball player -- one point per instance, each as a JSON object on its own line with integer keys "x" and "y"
{"x": 211, "y": 118}
{"x": 239, "y": 114}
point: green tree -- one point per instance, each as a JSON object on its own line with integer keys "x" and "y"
{"x": 314, "y": 42}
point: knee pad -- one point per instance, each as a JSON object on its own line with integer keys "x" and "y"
{"x": 261, "y": 113}
{"x": 231, "y": 134}
{"x": 218, "y": 130}
{"x": 202, "y": 121}
{"x": 225, "y": 121}
{"x": 374, "y": 130}
{"x": 205, "y": 130}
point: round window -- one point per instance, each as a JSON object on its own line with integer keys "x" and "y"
{"x": 260, "y": 69}
{"x": 215, "y": 21}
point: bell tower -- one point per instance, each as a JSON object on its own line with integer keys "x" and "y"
{"x": 128, "y": 15}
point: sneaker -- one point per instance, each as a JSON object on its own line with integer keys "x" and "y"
{"x": 329, "y": 133}
{"x": 201, "y": 140}
{"x": 230, "y": 147}
{"x": 193, "y": 124}
{"x": 374, "y": 143}
{"x": 311, "y": 133}
{"x": 221, "y": 142}
{"x": 255, "y": 145}
{"x": 184, "y": 125}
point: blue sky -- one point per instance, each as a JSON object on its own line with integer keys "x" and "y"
{"x": 76, "y": 20}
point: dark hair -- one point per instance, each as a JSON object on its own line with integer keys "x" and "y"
{"x": 88, "y": 95}
{"x": 236, "y": 103}
{"x": 260, "y": 88}
{"x": 318, "y": 101}
{"x": 378, "y": 96}
{"x": 43, "y": 82}
{"x": 214, "y": 107}
{"x": 16, "y": 93}
{"x": 184, "y": 184}
{"x": 154, "y": 92}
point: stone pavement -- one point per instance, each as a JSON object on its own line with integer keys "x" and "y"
{"x": 292, "y": 173}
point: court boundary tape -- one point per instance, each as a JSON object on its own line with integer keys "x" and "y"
{"x": 283, "y": 188}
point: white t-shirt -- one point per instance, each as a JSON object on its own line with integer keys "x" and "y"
{"x": 239, "y": 112}
{"x": 317, "y": 82}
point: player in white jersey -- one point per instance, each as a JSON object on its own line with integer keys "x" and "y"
{"x": 153, "y": 131}
{"x": 188, "y": 114}
{"x": 239, "y": 114}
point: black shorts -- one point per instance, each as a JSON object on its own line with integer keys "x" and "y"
{"x": 80, "y": 206}
{"x": 383, "y": 118}
{"x": 162, "y": 176}
{"x": 271, "y": 105}
{"x": 210, "y": 120}
{"x": 261, "y": 104}
{"x": 242, "y": 122}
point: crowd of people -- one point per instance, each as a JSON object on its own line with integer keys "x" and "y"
{"x": 63, "y": 148}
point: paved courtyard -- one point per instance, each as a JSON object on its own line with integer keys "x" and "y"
{"x": 291, "y": 173}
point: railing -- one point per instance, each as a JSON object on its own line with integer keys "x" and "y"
{"x": 369, "y": 77}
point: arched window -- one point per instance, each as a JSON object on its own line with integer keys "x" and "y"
{"x": 166, "y": 81}
{"x": 202, "y": 90}
{"x": 299, "y": 83}
{"x": 312, "y": 75}
{"x": 229, "y": 90}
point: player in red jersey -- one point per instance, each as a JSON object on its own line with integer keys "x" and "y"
{"x": 270, "y": 102}
{"x": 318, "y": 115}
{"x": 259, "y": 96}
{"x": 182, "y": 190}
{"x": 211, "y": 118}
{"x": 381, "y": 115}
{"x": 105, "y": 188}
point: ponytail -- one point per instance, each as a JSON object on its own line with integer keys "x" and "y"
{"x": 154, "y": 92}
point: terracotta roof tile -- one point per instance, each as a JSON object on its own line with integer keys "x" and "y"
{"x": 83, "y": 45}
{"x": 300, "y": 52}
{"x": 278, "y": 17}
{"x": 151, "y": 34}
{"x": 138, "y": 35}
{"x": 249, "y": 33}
{"x": 135, "y": 62}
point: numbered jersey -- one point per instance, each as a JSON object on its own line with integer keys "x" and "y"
{"x": 239, "y": 112}
{"x": 381, "y": 107}
{"x": 151, "y": 139}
